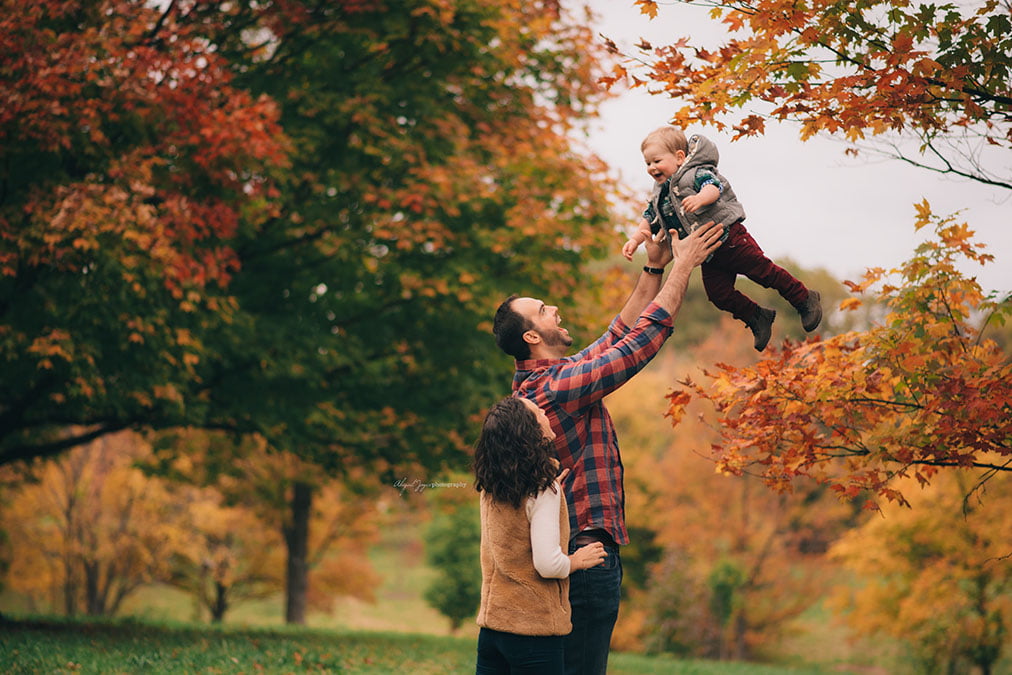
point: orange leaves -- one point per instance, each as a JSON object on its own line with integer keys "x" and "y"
{"x": 677, "y": 400}
{"x": 647, "y": 7}
{"x": 858, "y": 409}
{"x": 56, "y": 344}
{"x": 923, "y": 214}
{"x": 887, "y": 72}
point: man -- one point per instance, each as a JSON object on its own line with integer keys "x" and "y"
{"x": 570, "y": 390}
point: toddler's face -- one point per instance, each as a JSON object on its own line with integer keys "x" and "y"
{"x": 661, "y": 162}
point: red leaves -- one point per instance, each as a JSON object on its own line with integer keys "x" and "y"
{"x": 71, "y": 88}
{"x": 857, "y": 410}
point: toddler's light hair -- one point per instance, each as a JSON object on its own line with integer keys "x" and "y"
{"x": 672, "y": 138}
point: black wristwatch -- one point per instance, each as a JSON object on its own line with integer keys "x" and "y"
{"x": 653, "y": 270}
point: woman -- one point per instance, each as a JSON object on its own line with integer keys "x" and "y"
{"x": 524, "y": 611}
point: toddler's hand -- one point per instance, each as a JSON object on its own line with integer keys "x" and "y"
{"x": 693, "y": 203}
{"x": 629, "y": 248}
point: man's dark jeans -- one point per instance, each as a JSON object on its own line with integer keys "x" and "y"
{"x": 594, "y": 596}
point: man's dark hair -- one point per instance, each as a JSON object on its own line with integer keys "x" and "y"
{"x": 512, "y": 458}
{"x": 509, "y": 327}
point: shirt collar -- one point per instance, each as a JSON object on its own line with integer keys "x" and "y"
{"x": 537, "y": 364}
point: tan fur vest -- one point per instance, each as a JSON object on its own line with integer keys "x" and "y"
{"x": 514, "y": 597}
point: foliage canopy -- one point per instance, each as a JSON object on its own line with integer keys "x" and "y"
{"x": 940, "y": 71}
{"x": 289, "y": 219}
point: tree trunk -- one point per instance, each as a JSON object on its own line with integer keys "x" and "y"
{"x": 69, "y": 589}
{"x": 92, "y": 594}
{"x": 220, "y": 604}
{"x": 296, "y": 534}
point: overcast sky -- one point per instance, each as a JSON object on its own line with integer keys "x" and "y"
{"x": 805, "y": 201}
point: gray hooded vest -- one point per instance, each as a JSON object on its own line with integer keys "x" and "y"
{"x": 700, "y": 163}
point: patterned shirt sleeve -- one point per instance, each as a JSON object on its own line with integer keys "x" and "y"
{"x": 706, "y": 176}
{"x": 582, "y": 382}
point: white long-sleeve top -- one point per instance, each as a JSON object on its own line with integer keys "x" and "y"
{"x": 550, "y": 561}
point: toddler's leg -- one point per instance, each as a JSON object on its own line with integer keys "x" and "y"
{"x": 753, "y": 263}
{"x": 719, "y": 284}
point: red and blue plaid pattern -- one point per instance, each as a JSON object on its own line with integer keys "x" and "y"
{"x": 570, "y": 391}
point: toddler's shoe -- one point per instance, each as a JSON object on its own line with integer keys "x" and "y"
{"x": 811, "y": 312}
{"x": 761, "y": 325}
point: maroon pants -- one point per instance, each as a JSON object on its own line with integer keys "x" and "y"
{"x": 740, "y": 254}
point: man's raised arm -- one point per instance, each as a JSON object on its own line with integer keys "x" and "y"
{"x": 688, "y": 253}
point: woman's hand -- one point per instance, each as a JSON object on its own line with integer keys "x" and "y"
{"x": 587, "y": 556}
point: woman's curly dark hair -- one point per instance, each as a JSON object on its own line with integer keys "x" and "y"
{"x": 512, "y": 458}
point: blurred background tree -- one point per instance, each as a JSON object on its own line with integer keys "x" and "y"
{"x": 452, "y": 542}
{"x": 936, "y": 576}
{"x": 91, "y": 529}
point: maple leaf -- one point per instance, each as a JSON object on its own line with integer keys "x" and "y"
{"x": 648, "y": 7}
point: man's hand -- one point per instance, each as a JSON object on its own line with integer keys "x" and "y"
{"x": 698, "y": 246}
{"x": 659, "y": 252}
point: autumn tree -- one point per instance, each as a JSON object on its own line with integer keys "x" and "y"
{"x": 129, "y": 164}
{"x": 91, "y": 529}
{"x": 738, "y": 564}
{"x": 923, "y": 391}
{"x": 302, "y": 533}
{"x": 231, "y": 556}
{"x": 939, "y": 72}
{"x": 937, "y": 576}
{"x": 171, "y": 258}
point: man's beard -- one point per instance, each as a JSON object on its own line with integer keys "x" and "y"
{"x": 555, "y": 338}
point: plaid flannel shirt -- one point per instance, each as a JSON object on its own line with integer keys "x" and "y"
{"x": 570, "y": 391}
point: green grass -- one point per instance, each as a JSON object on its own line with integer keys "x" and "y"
{"x": 67, "y": 646}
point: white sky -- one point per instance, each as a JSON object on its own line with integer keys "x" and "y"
{"x": 805, "y": 201}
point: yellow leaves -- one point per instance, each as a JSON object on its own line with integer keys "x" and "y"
{"x": 850, "y": 304}
{"x": 915, "y": 563}
{"x": 924, "y": 215}
{"x": 115, "y": 524}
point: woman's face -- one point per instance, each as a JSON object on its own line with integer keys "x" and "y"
{"x": 546, "y": 426}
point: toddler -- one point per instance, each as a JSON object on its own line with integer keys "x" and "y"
{"x": 688, "y": 191}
